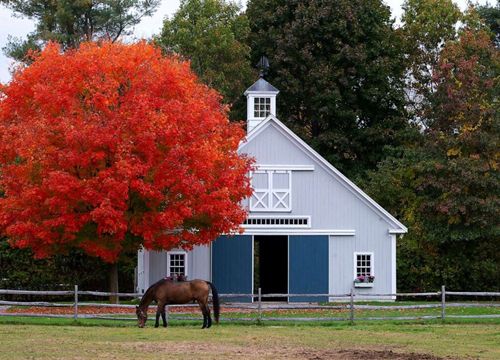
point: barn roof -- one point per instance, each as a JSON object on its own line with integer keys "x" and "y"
{"x": 261, "y": 85}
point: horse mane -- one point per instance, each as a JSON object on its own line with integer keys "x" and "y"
{"x": 148, "y": 295}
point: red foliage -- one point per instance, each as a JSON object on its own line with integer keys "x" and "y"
{"x": 116, "y": 145}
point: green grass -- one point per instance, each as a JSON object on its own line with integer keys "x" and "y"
{"x": 360, "y": 313}
{"x": 60, "y": 338}
{"x": 22, "y": 338}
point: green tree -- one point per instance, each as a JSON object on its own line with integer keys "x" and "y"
{"x": 339, "y": 67}
{"x": 19, "y": 270}
{"x": 447, "y": 189}
{"x": 69, "y": 22}
{"x": 426, "y": 26}
{"x": 212, "y": 34}
{"x": 491, "y": 16}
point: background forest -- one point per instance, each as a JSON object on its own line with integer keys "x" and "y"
{"x": 408, "y": 111}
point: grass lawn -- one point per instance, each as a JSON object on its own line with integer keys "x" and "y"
{"x": 22, "y": 338}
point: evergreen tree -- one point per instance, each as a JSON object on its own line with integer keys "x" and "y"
{"x": 491, "y": 16}
{"x": 339, "y": 67}
{"x": 70, "y": 22}
{"x": 212, "y": 34}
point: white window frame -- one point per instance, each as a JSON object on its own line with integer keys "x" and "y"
{"x": 355, "y": 261}
{"x": 266, "y": 111}
{"x": 259, "y": 194}
{"x": 177, "y": 252}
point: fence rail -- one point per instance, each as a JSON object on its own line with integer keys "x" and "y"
{"x": 258, "y": 305}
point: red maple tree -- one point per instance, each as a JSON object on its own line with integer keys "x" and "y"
{"x": 112, "y": 146}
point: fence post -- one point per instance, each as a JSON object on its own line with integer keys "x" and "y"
{"x": 259, "y": 306}
{"x": 351, "y": 307}
{"x": 75, "y": 314}
{"x": 443, "y": 303}
{"x": 167, "y": 312}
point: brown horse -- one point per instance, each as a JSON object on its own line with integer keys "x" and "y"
{"x": 166, "y": 292}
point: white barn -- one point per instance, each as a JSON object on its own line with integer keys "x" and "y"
{"x": 310, "y": 230}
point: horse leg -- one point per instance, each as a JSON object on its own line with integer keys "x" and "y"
{"x": 203, "y": 311}
{"x": 209, "y": 318}
{"x": 163, "y": 316}
{"x": 157, "y": 322}
{"x": 159, "y": 306}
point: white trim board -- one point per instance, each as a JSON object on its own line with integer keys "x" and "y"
{"x": 393, "y": 266}
{"x": 326, "y": 165}
{"x": 292, "y": 231}
{"x": 397, "y": 231}
{"x": 285, "y": 167}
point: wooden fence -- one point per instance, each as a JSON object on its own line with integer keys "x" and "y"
{"x": 258, "y": 305}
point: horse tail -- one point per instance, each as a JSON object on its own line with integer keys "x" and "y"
{"x": 215, "y": 300}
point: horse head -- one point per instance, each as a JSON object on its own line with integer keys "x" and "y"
{"x": 142, "y": 316}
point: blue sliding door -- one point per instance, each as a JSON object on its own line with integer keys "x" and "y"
{"x": 308, "y": 266}
{"x": 232, "y": 268}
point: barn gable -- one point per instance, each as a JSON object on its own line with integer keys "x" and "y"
{"x": 275, "y": 145}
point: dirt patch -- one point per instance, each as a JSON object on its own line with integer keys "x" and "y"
{"x": 364, "y": 354}
{"x": 226, "y": 351}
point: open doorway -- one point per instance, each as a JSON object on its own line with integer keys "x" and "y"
{"x": 271, "y": 265}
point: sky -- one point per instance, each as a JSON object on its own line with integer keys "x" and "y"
{"x": 20, "y": 27}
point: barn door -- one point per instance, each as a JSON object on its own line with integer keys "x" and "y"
{"x": 308, "y": 269}
{"x": 232, "y": 265}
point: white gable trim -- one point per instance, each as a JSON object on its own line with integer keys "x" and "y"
{"x": 285, "y": 167}
{"x": 397, "y": 231}
{"x": 291, "y": 231}
{"x": 400, "y": 228}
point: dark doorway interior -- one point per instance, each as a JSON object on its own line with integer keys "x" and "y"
{"x": 271, "y": 265}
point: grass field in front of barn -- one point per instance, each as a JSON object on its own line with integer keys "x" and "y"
{"x": 22, "y": 338}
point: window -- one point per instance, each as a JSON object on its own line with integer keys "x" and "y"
{"x": 176, "y": 263}
{"x": 261, "y": 107}
{"x": 271, "y": 190}
{"x": 363, "y": 264}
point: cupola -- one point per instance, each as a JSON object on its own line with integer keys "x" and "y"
{"x": 261, "y": 99}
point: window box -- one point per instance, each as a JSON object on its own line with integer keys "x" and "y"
{"x": 363, "y": 285}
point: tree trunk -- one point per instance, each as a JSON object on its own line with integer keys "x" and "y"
{"x": 113, "y": 282}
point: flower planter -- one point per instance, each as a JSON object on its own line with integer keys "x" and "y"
{"x": 363, "y": 285}
{"x": 364, "y": 281}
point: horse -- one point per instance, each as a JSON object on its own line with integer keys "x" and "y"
{"x": 167, "y": 291}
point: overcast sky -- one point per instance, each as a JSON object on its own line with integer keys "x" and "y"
{"x": 10, "y": 25}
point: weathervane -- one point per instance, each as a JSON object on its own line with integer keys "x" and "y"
{"x": 263, "y": 66}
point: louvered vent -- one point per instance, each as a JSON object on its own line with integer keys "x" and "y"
{"x": 296, "y": 221}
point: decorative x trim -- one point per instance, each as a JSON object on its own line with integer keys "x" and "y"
{"x": 260, "y": 199}
{"x": 280, "y": 199}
